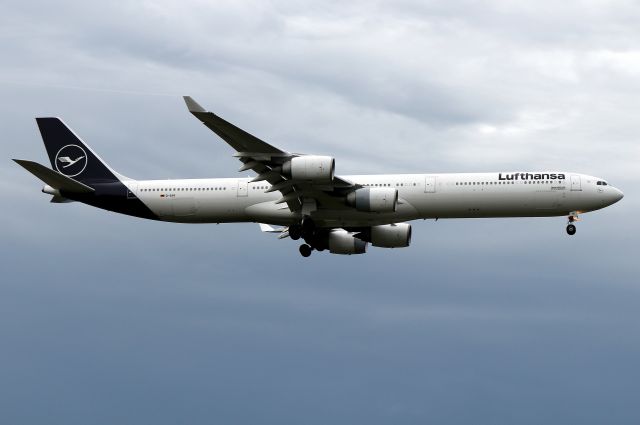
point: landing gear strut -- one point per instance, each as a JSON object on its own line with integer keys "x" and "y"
{"x": 305, "y": 250}
{"x": 307, "y": 231}
{"x": 571, "y": 228}
{"x": 308, "y": 227}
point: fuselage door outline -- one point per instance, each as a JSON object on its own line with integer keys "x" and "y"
{"x": 575, "y": 183}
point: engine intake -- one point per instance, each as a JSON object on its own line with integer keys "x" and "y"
{"x": 374, "y": 199}
{"x": 310, "y": 167}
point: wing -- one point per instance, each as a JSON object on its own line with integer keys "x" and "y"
{"x": 267, "y": 161}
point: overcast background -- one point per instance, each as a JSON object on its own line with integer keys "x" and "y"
{"x": 108, "y": 319}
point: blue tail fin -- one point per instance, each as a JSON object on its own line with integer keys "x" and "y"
{"x": 70, "y": 155}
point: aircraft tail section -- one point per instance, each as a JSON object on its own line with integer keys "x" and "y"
{"x": 79, "y": 174}
{"x": 70, "y": 156}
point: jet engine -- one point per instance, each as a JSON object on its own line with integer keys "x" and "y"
{"x": 310, "y": 167}
{"x": 342, "y": 242}
{"x": 374, "y": 199}
{"x": 391, "y": 235}
{"x": 387, "y": 236}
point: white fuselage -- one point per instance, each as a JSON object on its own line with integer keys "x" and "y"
{"x": 421, "y": 196}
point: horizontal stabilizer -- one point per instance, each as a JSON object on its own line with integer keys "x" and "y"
{"x": 53, "y": 178}
{"x": 60, "y": 200}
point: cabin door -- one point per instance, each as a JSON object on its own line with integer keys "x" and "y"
{"x": 430, "y": 184}
{"x": 575, "y": 183}
{"x": 243, "y": 188}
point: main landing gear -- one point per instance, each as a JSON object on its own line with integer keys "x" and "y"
{"x": 307, "y": 231}
{"x": 305, "y": 250}
{"x": 571, "y": 228}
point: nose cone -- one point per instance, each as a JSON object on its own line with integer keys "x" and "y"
{"x": 619, "y": 195}
{"x": 614, "y": 195}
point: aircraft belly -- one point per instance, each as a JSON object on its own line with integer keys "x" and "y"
{"x": 349, "y": 217}
{"x": 270, "y": 212}
{"x": 221, "y": 210}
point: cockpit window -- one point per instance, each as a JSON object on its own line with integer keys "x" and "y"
{"x": 601, "y": 183}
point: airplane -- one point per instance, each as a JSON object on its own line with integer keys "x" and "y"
{"x": 300, "y": 197}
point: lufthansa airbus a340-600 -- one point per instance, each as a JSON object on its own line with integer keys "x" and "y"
{"x": 304, "y": 197}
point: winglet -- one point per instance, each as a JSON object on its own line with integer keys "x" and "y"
{"x": 193, "y": 105}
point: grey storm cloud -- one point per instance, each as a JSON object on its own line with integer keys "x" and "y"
{"x": 110, "y": 319}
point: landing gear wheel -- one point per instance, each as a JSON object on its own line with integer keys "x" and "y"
{"x": 571, "y": 229}
{"x": 305, "y": 250}
{"x": 295, "y": 232}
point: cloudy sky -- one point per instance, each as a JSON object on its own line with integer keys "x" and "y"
{"x": 109, "y": 319}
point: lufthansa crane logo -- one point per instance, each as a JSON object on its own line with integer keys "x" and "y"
{"x": 71, "y": 160}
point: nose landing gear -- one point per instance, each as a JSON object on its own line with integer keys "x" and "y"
{"x": 571, "y": 228}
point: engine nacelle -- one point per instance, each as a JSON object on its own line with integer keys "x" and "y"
{"x": 374, "y": 199}
{"x": 341, "y": 242}
{"x": 310, "y": 167}
{"x": 391, "y": 235}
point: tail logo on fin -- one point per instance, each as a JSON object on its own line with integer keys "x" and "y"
{"x": 71, "y": 160}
